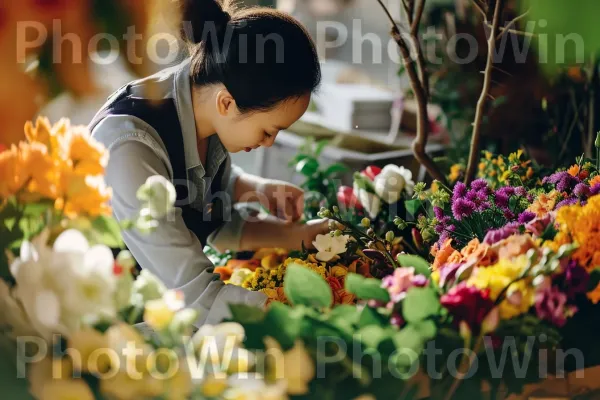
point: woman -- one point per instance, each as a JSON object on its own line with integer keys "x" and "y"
{"x": 251, "y": 74}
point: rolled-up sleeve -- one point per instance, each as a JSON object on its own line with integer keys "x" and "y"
{"x": 230, "y": 234}
{"x": 172, "y": 252}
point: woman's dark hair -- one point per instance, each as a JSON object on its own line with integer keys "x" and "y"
{"x": 261, "y": 55}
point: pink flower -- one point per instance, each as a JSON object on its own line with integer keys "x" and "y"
{"x": 551, "y": 304}
{"x": 399, "y": 282}
{"x": 468, "y": 304}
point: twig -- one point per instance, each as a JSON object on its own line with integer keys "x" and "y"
{"x": 417, "y": 19}
{"x": 592, "y": 108}
{"x": 414, "y": 30}
{"x": 420, "y": 141}
{"x": 480, "y": 8}
{"x": 514, "y": 31}
{"x": 476, "y": 136}
{"x": 507, "y": 28}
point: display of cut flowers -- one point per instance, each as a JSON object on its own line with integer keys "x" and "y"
{"x": 69, "y": 307}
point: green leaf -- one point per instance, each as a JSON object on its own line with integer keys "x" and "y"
{"x": 335, "y": 169}
{"x": 363, "y": 183}
{"x": 297, "y": 159}
{"x": 366, "y": 288}
{"x": 373, "y": 335}
{"x": 303, "y": 286}
{"x": 409, "y": 338}
{"x": 370, "y": 316}
{"x": 420, "y": 303}
{"x": 307, "y": 167}
{"x": 106, "y": 230}
{"x": 420, "y": 265}
{"x": 320, "y": 146}
{"x": 37, "y": 209}
{"x": 286, "y": 323}
{"x": 413, "y": 206}
{"x": 245, "y": 314}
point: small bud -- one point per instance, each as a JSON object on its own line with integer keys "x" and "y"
{"x": 338, "y": 233}
{"x": 336, "y": 209}
{"x": 332, "y": 225}
{"x": 366, "y": 222}
{"x": 597, "y": 142}
{"x": 126, "y": 260}
{"x": 370, "y": 232}
{"x": 322, "y": 210}
{"x": 390, "y": 236}
{"x": 326, "y": 214}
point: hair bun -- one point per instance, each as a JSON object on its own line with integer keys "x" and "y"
{"x": 197, "y": 15}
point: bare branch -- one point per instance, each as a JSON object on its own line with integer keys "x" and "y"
{"x": 481, "y": 8}
{"x": 487, "y": 81}
{"x": 414, "y": 28}
{"x": 420, "y": 142}
{"x": 508, "y": 26}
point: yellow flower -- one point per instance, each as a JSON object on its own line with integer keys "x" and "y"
{"x": 295, "y": 366}
{"x": 214, "y": 386}
{"x": 338, "y": 271}
{"x": 519, "y": 295}
{"x": 67, "y": 390}
{"x": 157, "y": 314}
{"x": 88, "y": 156}
{"x": 12, "y": 173}
{"x": 86, "y": 342}
{"x": 84, "y": 194}
{"x": 455, "y": 172}
{"x": 580, "y": 224}
{"x": 487, "y": 154}
{"x": 544, "y": 203}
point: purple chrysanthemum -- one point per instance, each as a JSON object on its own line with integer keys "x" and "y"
{"x": 526, "y": 216}
{"x": 479, "y": 185}
{"x": 462, "y": 208}
{"x": 562, "y": 180}
{"x": 460, "y": 191}
{"x": 595, "y": 189}
{"x": 496, "y": 235}
{"x": 582, "y": 190}
{"x": 567, "y": 202}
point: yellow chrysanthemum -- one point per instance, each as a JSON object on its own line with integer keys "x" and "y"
{"x": 519, "y": 295}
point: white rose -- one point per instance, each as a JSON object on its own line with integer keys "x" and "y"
{"x": 159, "y": 195}
{"x": 390, "y": 183}
{"x": 370, "y": 202}
{"x": 328, "y": 246}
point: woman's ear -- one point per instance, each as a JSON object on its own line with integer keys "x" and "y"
{"x": 225, "y": 103}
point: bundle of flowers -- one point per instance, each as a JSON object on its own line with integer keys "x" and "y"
{"x": 512, "y": 263}
{"x": 69, "y": 308}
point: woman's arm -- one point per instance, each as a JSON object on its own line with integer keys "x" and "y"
{"x": 172, "y": 252}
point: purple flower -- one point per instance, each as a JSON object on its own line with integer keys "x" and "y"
{"x": 398, "y": 283}
{"x": 525, "y": 217}
{"x": 496, "y": 235}
{"x": 520, "y": 191}
{"x": 562, "y": 180}
{"x": 567, "y": 202}
{"x": 595, "y": 189}
{"x": 503, "y": 196}
{"x": 448, "y": 273}
{"x": 582, "y": 190}
{"x": 575, "y": 279}
{"x": 551, "y": 305}
{"x": 537, "y": 226}
{"x": 462, "y": 208}
{"x": 419, "y": 280}
{"x": 397, "y": 320}
{"x": 479, "y": 184}
{"x": 460, "y": 191}
{"x": 438, "y": 212}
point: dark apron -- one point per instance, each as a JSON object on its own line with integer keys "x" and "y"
{"x": 162, "y": 116}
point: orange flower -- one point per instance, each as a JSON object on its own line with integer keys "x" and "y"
{"x": 83, "y": 194}
{"x": 224, "y": 272}
{"x": 12, "y": 174}
{"x": 576, "y": 171}
{"x": 88, "y": 156}
{"x": 595, "y": 181}
{"x": 513, "y": 246}
{"x": 477, "y": 252}
{"x": 276, "y": 294}
{"x": 340, "y": 296}
{"x": 361, "y": 267}
{"x": 444, "y": 254}
{"x": 544, "y": 203}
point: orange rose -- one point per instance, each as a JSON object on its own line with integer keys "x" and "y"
{"x": 444, "y": 254}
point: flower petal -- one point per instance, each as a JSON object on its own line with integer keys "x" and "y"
{"x": 71, "y": 241}
{"x": 47, "y": 308}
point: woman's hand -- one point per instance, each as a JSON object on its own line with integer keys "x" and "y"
{"x": 282, "y": 199}
{"x": 309, "y": 231}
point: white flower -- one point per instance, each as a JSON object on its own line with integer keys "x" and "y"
{"x": 370, "y": 202}
{"x": 252, "y": 386}
{"x": 147, "y": 287}
{"x": 329, "y": 246}
{"x": 239, "y": 276}
{"x": 64, "y": 286}
{"x": 159, "y": 195}
{"x": 390, "y": 183}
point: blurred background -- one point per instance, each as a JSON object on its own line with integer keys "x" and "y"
{"x": 364, "y": 110}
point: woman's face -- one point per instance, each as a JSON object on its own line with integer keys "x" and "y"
{"x": 246, "y": 132}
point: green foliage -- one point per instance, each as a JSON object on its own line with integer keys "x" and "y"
{"x": 366, "y": 288}
{"x": 420, "y": 265}
{"x": 321, "y": 182}
{"x": 303, "y": 286}
{"x": 420, "y": 304}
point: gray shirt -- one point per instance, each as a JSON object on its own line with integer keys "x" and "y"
{"x": 172, "y": 252}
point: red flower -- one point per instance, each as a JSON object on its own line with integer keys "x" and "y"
{"x": 347, "y": 198}
{"x": 371, "y": 172}
{"x": 469, "y": 304}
